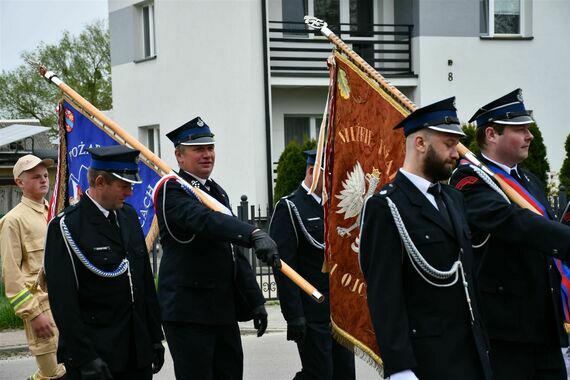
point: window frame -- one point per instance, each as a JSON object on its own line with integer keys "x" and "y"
{"x": 314, "y": 126}
{"x": 150, "y": 22}
{"x": 144, "y": 135}
{"x": 491, "y": 21}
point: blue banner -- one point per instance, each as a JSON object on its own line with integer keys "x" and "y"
{"x": 81, "y": 134}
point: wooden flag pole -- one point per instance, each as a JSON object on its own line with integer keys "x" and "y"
{"x": 319, "y": 24}
{"x": 149, "y": 155}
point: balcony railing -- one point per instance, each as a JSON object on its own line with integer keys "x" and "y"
{"x": 297, "y": 51}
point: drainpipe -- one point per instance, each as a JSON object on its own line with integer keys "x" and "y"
{"x": 267, "y": 93}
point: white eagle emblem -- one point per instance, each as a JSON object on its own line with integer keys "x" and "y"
{"x": 353, "y": 195}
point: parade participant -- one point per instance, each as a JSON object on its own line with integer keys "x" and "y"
{"x": 297, "y": 226}
{"x": 517, "y": 279}
{"x": 100, "y": 281}
{"x": 205, "y": 285}
{"x": 415, "y": 253}
{"x": 22, "y": 238}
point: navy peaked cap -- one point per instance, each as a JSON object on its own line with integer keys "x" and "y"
{"x": 119, "y": 160}
{"x": 311, "y": 156}
{"x": 194, "y": 132}
{"x": 440, "y": 116}
{"x": 507, "y": 110}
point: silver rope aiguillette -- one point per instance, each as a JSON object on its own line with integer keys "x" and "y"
{"x": 420, "y": 264}
{"x": 72, "y": 247}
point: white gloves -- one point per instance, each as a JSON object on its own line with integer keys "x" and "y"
{"x": 404, "y": 375}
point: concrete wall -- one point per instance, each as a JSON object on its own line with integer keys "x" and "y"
{"x": 484, "y": 70}
{"x": 209, "y": 63}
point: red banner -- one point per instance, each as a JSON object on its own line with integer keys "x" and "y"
{"x": 363, "y": 153}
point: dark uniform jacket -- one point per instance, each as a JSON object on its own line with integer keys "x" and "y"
{"x": 205, "y": 280}
{"x": 301, "y": 255}
{"x": 518, "y": 283}
{"x": 420, "y": 326}
{"x": 95, "y": 315}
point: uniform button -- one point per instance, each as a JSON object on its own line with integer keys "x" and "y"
{"x": 501, "y": 288}
{"x": 240, "y": 236}
{"x": 414, "y": 331}
{"x": 555, "y": 252}
{"x": 427, "y": 237}
{"x": 550, "y": 267}
{"x": 552, "y": 290}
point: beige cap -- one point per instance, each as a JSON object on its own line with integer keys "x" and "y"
{"x": 29, "y": 161}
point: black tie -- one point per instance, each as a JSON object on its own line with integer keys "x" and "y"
{"x": 213, "y": 190}
{"x": 435, "y": 190}
{"x": 515, "y": 175}
{"x": 113, "y": 220}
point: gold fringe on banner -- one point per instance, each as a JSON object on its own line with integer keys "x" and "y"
{"x": 359, "y": 349}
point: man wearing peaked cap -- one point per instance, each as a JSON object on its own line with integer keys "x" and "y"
{"x": 415, "y": 254}
{"x": 518, "y": 281}
{"x": 297, "y": 226}
{"x": 98, "y": 272}
{"x": 22, "y": 238}
{"x": 440, "y": 116}
{"x": 206, "y": 285}
{"x": 118, "y": 160}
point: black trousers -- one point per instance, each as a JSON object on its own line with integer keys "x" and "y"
{"x": 526, "y": 361}
{"x": 205, "y": 352}
{"x": 322, "y": 357}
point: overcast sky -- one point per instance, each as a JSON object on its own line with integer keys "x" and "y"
{"x": 24, "y": 24}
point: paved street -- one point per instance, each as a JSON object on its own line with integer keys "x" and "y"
{"x": 266, "y": 358}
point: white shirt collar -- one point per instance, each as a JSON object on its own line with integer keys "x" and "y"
{"x": 502, "y": 166}
{"x": 101, "y": 208}
{"x": 315, "y": 196}
{"x": 421, "y": 183}
{"x": 201, "y": 180}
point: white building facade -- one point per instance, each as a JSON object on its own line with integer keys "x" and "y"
{"x": 253, "y": 72}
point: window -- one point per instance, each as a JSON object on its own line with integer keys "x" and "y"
{"x": 505, "y": 17}
{"x": 148, "y": 48}
{"x": 301, "y": 128}
{"x": 150, "y": 136}
{"x": 361, "y": 18}
{"x": 327, "y": 10}
{"x": 293, "y": 12}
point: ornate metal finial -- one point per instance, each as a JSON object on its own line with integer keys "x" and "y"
{"x": 37, "y": 64}
{"x": 315, "y": 23}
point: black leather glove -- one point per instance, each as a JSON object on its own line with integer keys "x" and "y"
{"x": 157, "y": 357}
{"x": 260, "y": 319}
{"x": 95, "y": 370}
{"x": 297, "y": 329}
{"x": 265, "y": 248}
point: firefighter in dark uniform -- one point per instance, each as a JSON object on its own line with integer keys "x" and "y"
{"x": 205, "y": 286}
{"x": 101, "y": 288}
{"x": 297, "y": 226}
{"x": 415, "y": 253}
{"x": 517, "y": 279}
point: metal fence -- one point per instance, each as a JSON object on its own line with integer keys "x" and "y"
{"x": 251, "y": 214}
{"x": 295, "y": 50}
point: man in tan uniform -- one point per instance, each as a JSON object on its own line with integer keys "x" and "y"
{"x": 22, "y": 237}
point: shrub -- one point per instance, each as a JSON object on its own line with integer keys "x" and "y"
{"x": 291, "y": 168}
{"x": 8, "y": 320}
